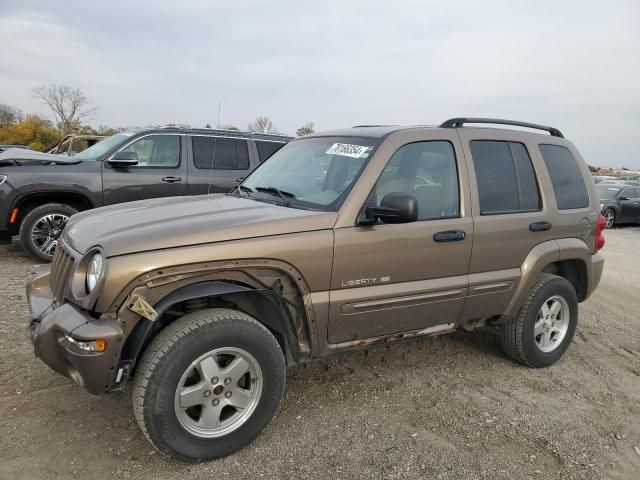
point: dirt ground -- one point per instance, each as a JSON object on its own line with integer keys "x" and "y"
{"x": 446, "y": 408}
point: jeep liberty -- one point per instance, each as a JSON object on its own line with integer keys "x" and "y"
{"x": 341, "y": 240}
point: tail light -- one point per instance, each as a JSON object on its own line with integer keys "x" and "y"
{"x": 600, "y": 226}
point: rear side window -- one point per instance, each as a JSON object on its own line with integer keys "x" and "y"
{"x": 224, "y": 153}
{"x": 506, "y": 180}
{"x": 242, "y": 153}
{"x": 568, "y": 184}
{"x": 266, "y": 149}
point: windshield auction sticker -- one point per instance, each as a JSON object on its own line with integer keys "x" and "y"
{"x": 347, "y": 150}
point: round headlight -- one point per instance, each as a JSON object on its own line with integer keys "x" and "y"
{"x": 94, "y": 272}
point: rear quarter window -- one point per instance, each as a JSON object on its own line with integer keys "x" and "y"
{"x": 266, "y": 149}
{"x": 505, "y": 176}
{"x": 566, "y": 177}
{"x": 225, "y": 153}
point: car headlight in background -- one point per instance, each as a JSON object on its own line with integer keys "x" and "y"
{"x": 95, "y": 270}
{"x": 3, "y": 178}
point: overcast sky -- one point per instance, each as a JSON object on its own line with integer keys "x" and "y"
{"x": 572, "y": 64}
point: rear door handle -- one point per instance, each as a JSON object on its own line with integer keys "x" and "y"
{"x": 449, "y": 236}
{"x": 540, "y": 226}
{"x": 171, "y": 179}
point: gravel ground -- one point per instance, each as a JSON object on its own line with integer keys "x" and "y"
{"x": 449, "y": 407}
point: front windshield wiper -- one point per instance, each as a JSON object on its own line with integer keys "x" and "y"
{"x": 282, "y": 193}
{"x": 241, "y": 188}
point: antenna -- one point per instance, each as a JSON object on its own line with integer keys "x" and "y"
{"x": 219, "y": 108}
{"x": 213, "y": 158}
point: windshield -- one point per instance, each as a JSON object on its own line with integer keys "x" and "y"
{"x": 607, "y": 192}
{"x": 315, "y": 173}
{"x": 102, "y": 147}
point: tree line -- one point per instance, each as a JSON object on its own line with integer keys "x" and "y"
{"x": 71, "y": 111}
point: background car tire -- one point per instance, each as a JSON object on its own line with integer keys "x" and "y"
{"x": 173, "y": 351}
{"x": 610, "y": 217}
{"x": 518, "y": 340}
{"x": 33, "y": 218}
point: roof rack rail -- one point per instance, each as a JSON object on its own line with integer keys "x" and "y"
{"x": 459, "y": 122}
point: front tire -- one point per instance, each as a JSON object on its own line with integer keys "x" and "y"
{"x": 610, "y": 217}
{"x": 41, "y": 229}
{"x": 545, "y": 325}
{"x": 208, "y": 384}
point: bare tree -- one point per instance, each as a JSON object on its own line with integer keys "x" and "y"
{"x": 69, "y": 105}
{"x": 306, "y": 129}
{"x": 9, "y": 115}
{"x": 262, "y": 125}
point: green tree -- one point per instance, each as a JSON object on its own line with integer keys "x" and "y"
{"x": 34, "y": 131}
{"x": 306, "y": 129}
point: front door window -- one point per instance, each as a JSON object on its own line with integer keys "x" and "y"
{"x": 159, "y": 151}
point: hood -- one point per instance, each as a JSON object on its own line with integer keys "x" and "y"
{"x": 180, "y": 221}
{"x": 21, "y": 156}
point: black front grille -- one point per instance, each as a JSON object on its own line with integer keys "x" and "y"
{"x": 61, "y": 266}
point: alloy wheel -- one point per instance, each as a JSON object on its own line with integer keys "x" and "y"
{"x": 552, "y": 323}
{"x": 218, "y": 392}
{"x": 46, "y": 232}
{"x": 610, "y": 217}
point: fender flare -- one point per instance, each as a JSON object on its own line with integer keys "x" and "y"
{"x": 614, "y": 206}
{"x": 545, "y": 254}
{"x": 538, "y": 258}
{"x": 25, "y": 197}
{"x": 266, "y": 305}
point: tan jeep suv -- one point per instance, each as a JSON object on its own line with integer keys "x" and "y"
{"x": 340, "y": 240}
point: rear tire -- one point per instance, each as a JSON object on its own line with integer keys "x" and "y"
{"x": 181, "y": 412}
{"x": 42, "y": 227}
{"x": 538, "y": 337}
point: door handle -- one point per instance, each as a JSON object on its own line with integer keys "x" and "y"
{"x": 450, "y": 236}
{"x": 171, "y": 179}
{"x": 540, "y": 226}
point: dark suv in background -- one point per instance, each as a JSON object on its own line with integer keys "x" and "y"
{"x": 620, "y": 203}
{"x": 39, "y": 192}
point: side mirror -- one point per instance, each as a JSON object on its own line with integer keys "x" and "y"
{"x": 124, "y": 159}
{"x": 623, "y": 197}
{"x": 394, "y": 208}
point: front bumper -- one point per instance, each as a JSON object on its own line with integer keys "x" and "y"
{"x": 5, "y": 237}
{"x": 49, "y": 327}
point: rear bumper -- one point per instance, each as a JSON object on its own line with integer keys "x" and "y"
{"x": 597, "y": 266}
{"x": 51, "y": 329}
